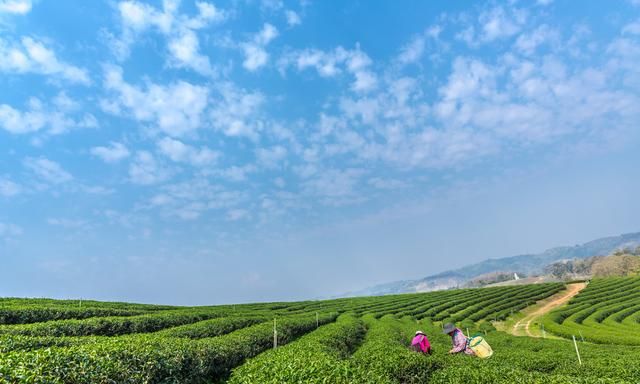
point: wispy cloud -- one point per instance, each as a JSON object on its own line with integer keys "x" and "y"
{"x": 494, "y": 24}
{"x": 9, "y": 231}
{"x": 180, "y": 152}
{"x": 146, "y": 170}
{"x": 29, "y": 55}
{"x": 59, "y": 117}
{"x": 527, "y": 43}
{"x": 180, "y": 30}
{"x": 48, "y": 170}
{"x": 20, "y": 7}
{"x": 237, "y": 113}
{"x": 293, "y": 19}
{"x": 255, "y": 53}
{"x": 176, "y": 109}
{"x": 414, "y": 50}
{"x": 330, "y": 64}
{"x": 112, "y": 153}
{"x": 8, "y": 188}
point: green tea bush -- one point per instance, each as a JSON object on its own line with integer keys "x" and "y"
{"x": 111, "y": 326}
{"x": 601, "y": 313}
{"x": 320, "y": 356}
{"x": 151, "y": 358}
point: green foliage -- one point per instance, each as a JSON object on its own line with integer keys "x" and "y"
{"x": 111, "y": 326}
{"x": 320, "y": 356}
{"x": 606, "y": 312}
{"x": 367, "y": 344}
{"x": 150, "y": 358}
{"x": 213, "y": 327}
{"x": 26, "y": 315}
{"x": 385, "y": 357}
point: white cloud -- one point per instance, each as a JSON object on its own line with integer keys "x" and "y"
{"x": 190, "y": 199}
{"x": 632, "y": 28}
{"x": 139, "y": 16}
{"x": 237, "y": 214}
{"x": 175, "y": 109}
{"x": 19, "y": 7}
{"x": 145, "y": 170}
{"x": 183, "y": 43}
{"x": 237, "y": 114}
{"x": 255, "y": 53}
{"x": 238, "y": 173}
{"x": 484, "y": 107}
{"x": 184, "y": 49}
{"x": 527, "y": 43}
{"x": 180, "y": 152}
{"x": 54, "y": 119}
{"x": 207, "y": 13}
{"x": 255, "y": 57}
{"x": 19, "y": 122}
{"x": 334, "y": 183}
{"x": 293, "y": 18}
{"x": 330, "y": 64}
{"x": 48, "y": 170}
{"x": 112, "y": 153}
{"x": 96, "y": 190}
{"x": 68, "y": 223}
{"x": 270, "y": 157}
{"x": 8, "y": 230}
{"x": 389, "y": 184}
{"x": 8, "y": 188}
{"x": 271, "y": 5}
{"x": 497, "y": 24}
{"x": 325, "y": 63}
{"x": 413, "y": 51}
{"x": 32, "y": 56}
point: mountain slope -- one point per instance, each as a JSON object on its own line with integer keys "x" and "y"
{"x": 529, "y": 264}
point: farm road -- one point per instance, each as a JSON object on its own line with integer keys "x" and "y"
{"x": 545, "y": 307}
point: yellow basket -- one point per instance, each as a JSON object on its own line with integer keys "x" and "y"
{"x": 480, "y": 347}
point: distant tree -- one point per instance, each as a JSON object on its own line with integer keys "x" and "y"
{"x": 572, "y": 268}
{"x": 617, "y": 265}
{"x": 559, "y": 269}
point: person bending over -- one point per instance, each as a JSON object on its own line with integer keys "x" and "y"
{"x": 420, "y": 343}
{"x": 458, "y": 339}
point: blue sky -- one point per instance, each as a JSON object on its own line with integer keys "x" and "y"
{"x": 198, "y": 152}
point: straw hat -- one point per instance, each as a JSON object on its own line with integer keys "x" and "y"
{"x": 420, "y": 333}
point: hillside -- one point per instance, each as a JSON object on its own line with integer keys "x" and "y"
{"x": 618, "y": 264}
{"x": 355, "y": 340}
{"x": 529, "y": 264}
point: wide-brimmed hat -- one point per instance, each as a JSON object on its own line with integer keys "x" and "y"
{"x": 448, "y": 328}
{"x": 419, "y": 333}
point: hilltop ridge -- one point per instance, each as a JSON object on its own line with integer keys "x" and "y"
{"x": 529, "y": 264}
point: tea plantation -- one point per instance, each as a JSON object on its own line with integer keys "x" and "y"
{"x": 606, "y": 312}
{"x": 353, "y": 340}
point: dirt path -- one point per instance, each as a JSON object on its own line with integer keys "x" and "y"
{"x": 547, "y": 306}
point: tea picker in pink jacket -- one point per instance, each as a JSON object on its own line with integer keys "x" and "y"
{"x": 420, "y": 343}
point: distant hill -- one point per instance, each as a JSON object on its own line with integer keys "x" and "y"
{"x": 530, "y": 264}
{"x": 618, "y": 264}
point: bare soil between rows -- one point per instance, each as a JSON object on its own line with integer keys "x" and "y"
{"x": 524, "y": 326}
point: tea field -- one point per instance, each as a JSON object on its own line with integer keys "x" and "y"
{"x": 352, "y": 340}
{"x": 607, "y": 312}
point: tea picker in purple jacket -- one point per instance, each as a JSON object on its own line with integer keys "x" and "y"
{"x": 458, "y": 339}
